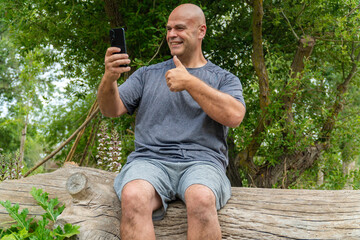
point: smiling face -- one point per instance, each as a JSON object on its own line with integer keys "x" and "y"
{"x": 185, "y": 30}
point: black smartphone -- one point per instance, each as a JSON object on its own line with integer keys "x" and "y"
{"x": 117, "y": 39}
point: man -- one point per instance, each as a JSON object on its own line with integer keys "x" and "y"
{"x": 184, "y": 108}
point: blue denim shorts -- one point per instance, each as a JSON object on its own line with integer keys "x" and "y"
{"x": 171, "y": 179}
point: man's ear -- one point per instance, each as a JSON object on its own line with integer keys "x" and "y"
{"x": 202, "y": 31}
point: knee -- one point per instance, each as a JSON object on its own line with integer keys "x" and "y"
{"x": 200, "y": 202}
{"x": 134, "y": 200}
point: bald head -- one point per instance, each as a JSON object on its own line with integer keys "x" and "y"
{"x": 186, "y": 28}
{"x": 190, "y": 12}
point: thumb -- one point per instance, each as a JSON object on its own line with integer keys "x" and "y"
{"x": 177, "y": 62}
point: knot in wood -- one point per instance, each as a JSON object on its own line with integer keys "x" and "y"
{"x": 76, "y": 183}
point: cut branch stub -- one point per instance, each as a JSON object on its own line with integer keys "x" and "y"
{"x": 76, "y": 185}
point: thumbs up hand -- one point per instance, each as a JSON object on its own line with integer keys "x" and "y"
{"x": 177, "y": 62}
{"x": 177, "y": 78}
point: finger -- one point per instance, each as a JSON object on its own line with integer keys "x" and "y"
{"x": 111, "y": 50}
{"x": 167, "y": 74}
{"x": 177, "y": 62}
{"x": 116, "y": 57}
{"x": 121, "y": 69}
{"x": 121, "y": 62}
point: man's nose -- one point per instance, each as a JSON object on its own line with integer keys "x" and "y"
{"x": 171, "y": 33}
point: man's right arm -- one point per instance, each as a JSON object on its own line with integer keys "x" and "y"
{"x": 109, "y": 100}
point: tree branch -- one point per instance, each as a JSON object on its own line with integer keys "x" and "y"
{"x": 296, "y": 36}
{"x": 338, "y": 105}
{"x": 96, "y": 111}
{"x": 353, "y": 10}
{"x": 157, "y": 51}
{"x": 306, "y": 46}
{"x": 258, "y": 55}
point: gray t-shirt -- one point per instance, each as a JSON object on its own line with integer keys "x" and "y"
{"x": 172, "y": 126}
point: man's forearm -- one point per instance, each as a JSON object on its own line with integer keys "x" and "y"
{"x": 220, "y": 106}
{"x": 109, "y": 100}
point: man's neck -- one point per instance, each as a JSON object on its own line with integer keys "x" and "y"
{"x": 194, "y": 62}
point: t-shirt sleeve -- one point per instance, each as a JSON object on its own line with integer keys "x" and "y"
{"x": 131, "y": 91}
{"x": 231, "y": 85}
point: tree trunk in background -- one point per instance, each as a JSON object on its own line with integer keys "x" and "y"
{"x": 232, "y": 170}
{"x": 347, "y": 168}
{"x": 267, "y": 176}
{"x": 112, "y": 12}
{"x": 291, "y": 164}
{"x": 23, "y": 139}
{"x": 320, "y": 178}
{"x": 305, "y": 48}
{"x": 290, "y": 168}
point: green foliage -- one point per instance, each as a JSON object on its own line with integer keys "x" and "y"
{"x": 20, "y": 219}
{"x": 27, "y": 228}
{"x": 74, "y": 35}
{"x": 48, "y": 205}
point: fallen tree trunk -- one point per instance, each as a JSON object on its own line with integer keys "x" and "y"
{"x": 251, "y": 213}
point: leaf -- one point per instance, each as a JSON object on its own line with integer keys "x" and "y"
{"x": 69, "y": 230}
{"x": 48, "y": 205}
{"x": 42, "y": 232}
{"x": 18, "y": 235}
{"x": 14, "y": 213}
{"x": 39, "y": 230}
{"x": 23, "y": 233}
{"x": 9, "y": 237}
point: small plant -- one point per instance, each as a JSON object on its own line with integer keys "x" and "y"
{"x": 28, "y": 229}
{"x": 109, "y": 149}
{"x": 10, "y": 166}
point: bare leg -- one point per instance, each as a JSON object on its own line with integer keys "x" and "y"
{"x": 202, "y": 216}
{"x": 138, "y": 201}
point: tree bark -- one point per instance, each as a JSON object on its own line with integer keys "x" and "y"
{"x": 306, "y": 46}
{"x": 23, "y": 139}
{"x": 251, "y": 213}
{"x": 245, "y": 158}
{"x": 258, "y": 54}
{"x": 338, "y": 105}
{"x": 112, "y": 12}
{"x": 259, "y": 175}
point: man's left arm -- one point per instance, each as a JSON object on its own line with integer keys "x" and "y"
{"x": 220, "y": 106}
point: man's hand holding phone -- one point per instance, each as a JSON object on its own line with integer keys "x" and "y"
{"x": 116, "y": 63}
{"x": 116, "y": 58}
